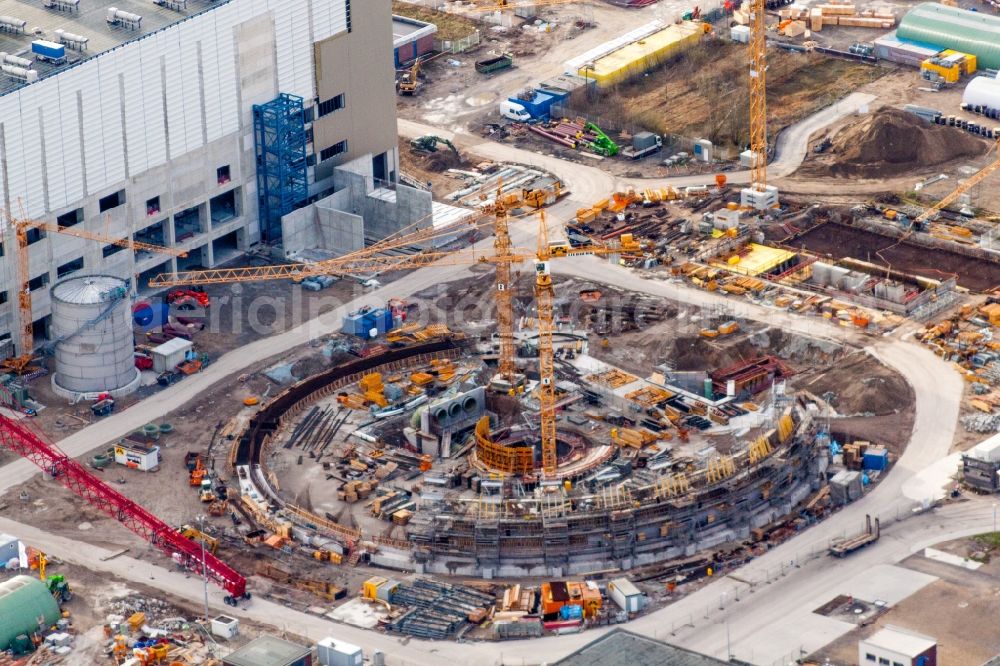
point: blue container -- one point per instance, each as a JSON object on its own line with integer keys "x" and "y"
{"x": 571, "y": 613}
{"x": 876, "y": 460}
{"x": 354, "y": 324}
{"x": 538, "y": 106}
{"x": 48, "y": 50}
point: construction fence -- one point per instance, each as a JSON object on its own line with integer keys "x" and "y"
{"x": 458, "y": 45}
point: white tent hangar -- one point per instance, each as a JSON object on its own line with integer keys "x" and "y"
{"x": 983, "y": 91}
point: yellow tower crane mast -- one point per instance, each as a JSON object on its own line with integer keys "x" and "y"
{"x": 758, "y": 96}
{"x": 504, "y": 296}
{"x": 544, "y": 297}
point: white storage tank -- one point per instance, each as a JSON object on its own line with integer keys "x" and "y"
{"x": 92, "y": 333}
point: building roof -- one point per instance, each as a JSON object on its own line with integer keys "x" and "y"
{"x": 976, "y": 33}
{"x": 625, "y": 586}
{"x": 405, "y": 30}
{"x": 899, "y": 641}
{"x": 267, "y": 651}
{"x": 172, "y": 346}
{"x": 90, "y": 21}
{"x": 623, "y": 648}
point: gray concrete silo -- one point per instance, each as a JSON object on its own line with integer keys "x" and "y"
{"x": 92, "y": 332}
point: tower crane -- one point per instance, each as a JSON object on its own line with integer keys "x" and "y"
{"x": 17, "y": 437}
{"x": 544, "y": 297}
{"x": 964, "y": 187}
{"x": 504, "y": 257}
{"x": 20, "y": 364}
{"x": 754, "y": 195}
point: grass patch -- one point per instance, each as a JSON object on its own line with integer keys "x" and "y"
{"x": 450, "y": 26}
{"x": 990, "y": 540}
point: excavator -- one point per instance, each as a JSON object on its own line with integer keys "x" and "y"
{"x": 196, "y": 535}
{"x": 408, "y": 82}
{"x": 57, "y": 585}
{"x": 429, "y": 144}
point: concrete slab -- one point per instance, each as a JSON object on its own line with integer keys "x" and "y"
{"x": 949, "y": 558}
{"x": 931, "y": 483}
{"x": 359, "y": 614}
{"x": 888, "y": 583}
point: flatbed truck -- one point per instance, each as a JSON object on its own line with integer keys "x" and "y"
{"x": 844, "y": 547}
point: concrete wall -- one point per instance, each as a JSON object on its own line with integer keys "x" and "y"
{"x": 358, "y": 64}
{"x": 342, "y": 221}
{"x": 411, "y": 208}
{"x": 328, "y": 224}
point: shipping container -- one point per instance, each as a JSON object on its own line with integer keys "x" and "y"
{"x": 333, "y": 652}
{"x": 46, "y": 50}
{"x": 626, "y": 595}
{"x": 876, "y": 459}
{"x": 538, "y": 105}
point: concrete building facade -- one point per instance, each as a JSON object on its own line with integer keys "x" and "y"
{"x": 148, "y": 133}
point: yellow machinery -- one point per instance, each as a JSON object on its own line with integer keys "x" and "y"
{"x": 408, "y": 83}
{"x": 758, "y": 96}
{"x": 949, "y": 65}
{"x": 20, "y": 364}
{"x": 194, "y": 534}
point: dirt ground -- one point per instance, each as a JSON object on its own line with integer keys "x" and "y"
{"x": 958, "y": 610}
{"x": 432, "y": 169}
{"x": 706, "y": 91}
{"x": 95, "y": 597}
{"x": 841, "y": 241}
{"x": 890, "y": 142}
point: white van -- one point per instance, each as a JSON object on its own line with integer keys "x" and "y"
{"x": 514, "y": 111}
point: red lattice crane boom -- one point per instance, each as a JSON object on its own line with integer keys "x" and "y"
{"x": 17, "y": 437}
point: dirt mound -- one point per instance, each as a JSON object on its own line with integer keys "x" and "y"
{"x": 891, "y": 142}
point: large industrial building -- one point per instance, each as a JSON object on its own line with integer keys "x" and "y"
{"x": 149, "y": 121}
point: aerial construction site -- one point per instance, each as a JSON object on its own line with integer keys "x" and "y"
{"x": 421, "y": 332}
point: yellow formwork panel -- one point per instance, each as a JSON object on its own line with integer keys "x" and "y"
{"x": 639, "y": 57}
{"x": 755, "y": 260}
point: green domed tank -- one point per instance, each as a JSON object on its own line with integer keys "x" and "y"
{"x": 23, "y": 602}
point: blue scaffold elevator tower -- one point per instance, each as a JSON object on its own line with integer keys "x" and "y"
{"x": 280, "y": 145}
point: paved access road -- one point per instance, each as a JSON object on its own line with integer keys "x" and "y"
{"x": 590, "y": 183}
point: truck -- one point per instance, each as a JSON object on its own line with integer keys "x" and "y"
{"x": 844, "y": 547}
{"x": 495, "y": 63}
{"x": 643, "y": 143}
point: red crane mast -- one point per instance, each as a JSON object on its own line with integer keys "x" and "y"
{"x": 17, "y": 437}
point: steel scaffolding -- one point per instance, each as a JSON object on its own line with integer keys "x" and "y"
{"x": 280, "y": 147}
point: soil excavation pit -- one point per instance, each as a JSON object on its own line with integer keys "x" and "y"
{"x": 841, "y": 241}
